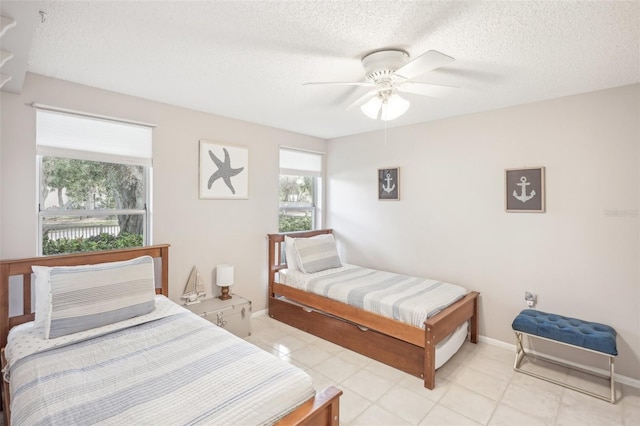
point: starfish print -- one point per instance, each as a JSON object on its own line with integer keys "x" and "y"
{"x": 224, "y": 170}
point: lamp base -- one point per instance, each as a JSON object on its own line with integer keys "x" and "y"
{"x": 225, "y": 293}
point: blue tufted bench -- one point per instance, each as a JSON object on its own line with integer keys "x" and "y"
{"x": 590, "y": 336}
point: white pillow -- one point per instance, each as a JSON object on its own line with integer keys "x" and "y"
{"x": 317, "y": 254}
{"x": 90, "y": 296}
{"x": 290, "y": 253}
{"x": 43, "y": 294}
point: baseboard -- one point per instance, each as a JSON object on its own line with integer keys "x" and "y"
{"x": 259, "y": 313}
{"x": 512, "y": 347}
{"x": 602, "y": 372}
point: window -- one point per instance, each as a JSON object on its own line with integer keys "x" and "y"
{"x": 93, "y": 184}
{"x": 300, "y": 190}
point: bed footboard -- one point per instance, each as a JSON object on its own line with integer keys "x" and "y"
{"x": 322, "y": 410}
{"x": 442, "y": 325}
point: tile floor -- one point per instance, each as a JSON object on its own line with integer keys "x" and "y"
{"x": 476, "y": 387}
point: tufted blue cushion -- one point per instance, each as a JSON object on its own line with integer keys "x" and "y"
{"x": 590, "y": 335}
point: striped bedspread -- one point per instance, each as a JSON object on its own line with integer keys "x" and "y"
{"x": 176, "y": 370}
{"x": 408, "y": 299}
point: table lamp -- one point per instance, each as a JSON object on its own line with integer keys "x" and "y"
{"x": 224, "y": 278}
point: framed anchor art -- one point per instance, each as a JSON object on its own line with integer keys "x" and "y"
{"x": 224, "y": 171}
{"x": 524, "y": 190}
{"x": 389, "y": 184}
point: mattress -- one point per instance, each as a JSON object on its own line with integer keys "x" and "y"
{"x": 171, "y": 367}
{"x": 404, "y": 298}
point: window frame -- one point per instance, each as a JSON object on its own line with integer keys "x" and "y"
{"x": 146, "y": 163}
{"x": 318, "y": 178}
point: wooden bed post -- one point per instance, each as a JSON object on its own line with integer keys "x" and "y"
{"x": 324, "y": 410}
{"x": 272, "y": 263}
{"x": 4, "y": 331}
{"x": 473, "y": 328}
{"x": 165, "y": 269}
{"x": 6, "y": 398}
{"x": 429, "y": 358}
{"x": 4, "y": 304}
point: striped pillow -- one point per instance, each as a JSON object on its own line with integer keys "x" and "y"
{"x": 90, "y": 296}
{"x": 315, "y": 255}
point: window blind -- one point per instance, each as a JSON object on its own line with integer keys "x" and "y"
{"x": 300, "y": 163}
{"x": 60, "y": 134}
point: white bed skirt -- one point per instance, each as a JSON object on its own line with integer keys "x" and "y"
{"x": 449, "y": 346}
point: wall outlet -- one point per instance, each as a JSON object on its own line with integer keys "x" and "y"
{"x": 530, "y": 298}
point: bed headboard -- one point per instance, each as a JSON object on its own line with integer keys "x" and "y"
{"x": 276, "y": 245}
{"x": 22, "y": 267}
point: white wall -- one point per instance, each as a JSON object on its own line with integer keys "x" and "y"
{"x": 201, "y": 232}
{"x": 450, "y": 223}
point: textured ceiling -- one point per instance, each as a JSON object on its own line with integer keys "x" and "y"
{"x": 249, "y": 59}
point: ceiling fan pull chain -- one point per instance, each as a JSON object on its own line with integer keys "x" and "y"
{"x": 385, "y": 133}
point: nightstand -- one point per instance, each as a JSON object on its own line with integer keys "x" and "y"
{"x": 234, "y": 315}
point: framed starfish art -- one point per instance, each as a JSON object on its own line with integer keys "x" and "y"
{"x": 224, "y": 171}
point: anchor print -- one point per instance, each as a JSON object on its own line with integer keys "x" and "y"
{"x": 388, "y": 188}
{"x": 523, "y": 195}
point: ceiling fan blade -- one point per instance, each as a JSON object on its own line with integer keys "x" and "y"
{"x": 425, "y": 89}
{"x": 428, "y": 61}
{"x": 338, "y": 83}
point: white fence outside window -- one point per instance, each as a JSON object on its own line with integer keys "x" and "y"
{"x": 84, "y": 231}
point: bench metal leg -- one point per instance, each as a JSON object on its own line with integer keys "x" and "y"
{"x": 521, "y": 354}
{"x": 612, "y": 380}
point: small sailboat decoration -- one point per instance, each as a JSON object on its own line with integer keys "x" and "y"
{"x": 194, "y": 288}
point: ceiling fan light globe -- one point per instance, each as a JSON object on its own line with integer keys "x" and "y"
{"x": 394, "y": 107}
{"x": 372, "y": 107}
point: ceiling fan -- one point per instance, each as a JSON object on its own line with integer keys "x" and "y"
{"x": 389, "y": 71}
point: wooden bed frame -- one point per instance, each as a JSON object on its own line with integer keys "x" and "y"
{"x": 403, "y": 346}
{"x": 323, "y": 409}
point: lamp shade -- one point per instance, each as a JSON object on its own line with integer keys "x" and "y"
{"x": 386, "y": 106}
{"x": 394, "y": 107}
{"x": 224, "y": 275}
{"x": 372, "y": 107}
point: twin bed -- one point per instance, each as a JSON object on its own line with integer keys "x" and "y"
{"x": 411, "y": 324}
{"x": 105, "y": 346}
